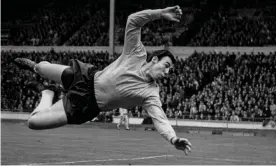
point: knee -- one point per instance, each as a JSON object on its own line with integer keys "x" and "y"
{"x": 32, "y": 123}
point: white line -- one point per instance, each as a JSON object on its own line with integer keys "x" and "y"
{"x": 152, "y": 157}
{"x": 87, "y": 161}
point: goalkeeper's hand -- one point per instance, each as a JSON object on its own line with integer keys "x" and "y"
{"x": 172, "y": 13}
{"x": 182, "y": 144}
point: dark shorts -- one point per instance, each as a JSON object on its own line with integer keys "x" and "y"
{"x": 79, "y": 100}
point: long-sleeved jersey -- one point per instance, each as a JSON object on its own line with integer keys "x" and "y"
{"x": 123, "y": 84}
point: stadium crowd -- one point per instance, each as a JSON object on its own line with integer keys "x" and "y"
{"x": 82, "y": 25}
{"x": 51, "y": 24}
{"x": 79, "y": 24}
{"x": 233, "y": 27}
{"x": 211, "y": 86}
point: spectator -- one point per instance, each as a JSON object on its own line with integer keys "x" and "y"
{"x": 234, "y": 117}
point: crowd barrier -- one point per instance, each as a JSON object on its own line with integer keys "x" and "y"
{"x": 181, "y": 52}
{"x": 14, "y": 115}
{"x": 174, "y": 122}
{"x": 207, "y": 124}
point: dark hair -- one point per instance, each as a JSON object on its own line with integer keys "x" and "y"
{"x": 160, "y": 54}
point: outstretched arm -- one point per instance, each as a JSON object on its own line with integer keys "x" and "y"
{"x": 137, "y": 20}
{"x": 164, "y": 127}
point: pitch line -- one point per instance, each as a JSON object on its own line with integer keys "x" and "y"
{"x": 104, "y": 160}
{"x": 152, "y": 157}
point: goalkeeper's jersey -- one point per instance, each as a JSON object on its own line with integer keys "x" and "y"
{"x": 123, "y": 84}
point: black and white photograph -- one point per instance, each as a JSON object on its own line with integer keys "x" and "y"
{"x": 138, "y": 82}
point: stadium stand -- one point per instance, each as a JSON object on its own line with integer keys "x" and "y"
{"x": 85, "y": 24}
{"x": 205, "y": 86}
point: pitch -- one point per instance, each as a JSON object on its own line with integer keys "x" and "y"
{"x": 94, "y": 145}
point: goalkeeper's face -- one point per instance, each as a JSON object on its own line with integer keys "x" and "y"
{"x": 160, "y": 68}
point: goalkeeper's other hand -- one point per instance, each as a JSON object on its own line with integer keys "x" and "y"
{"x": 182, "y": 144}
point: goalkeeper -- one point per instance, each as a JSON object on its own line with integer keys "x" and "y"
{"x": 127, "y": 82}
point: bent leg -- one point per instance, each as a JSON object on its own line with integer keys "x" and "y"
{"x": 50, "y": 71}
{"x": 48, "y": 118}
